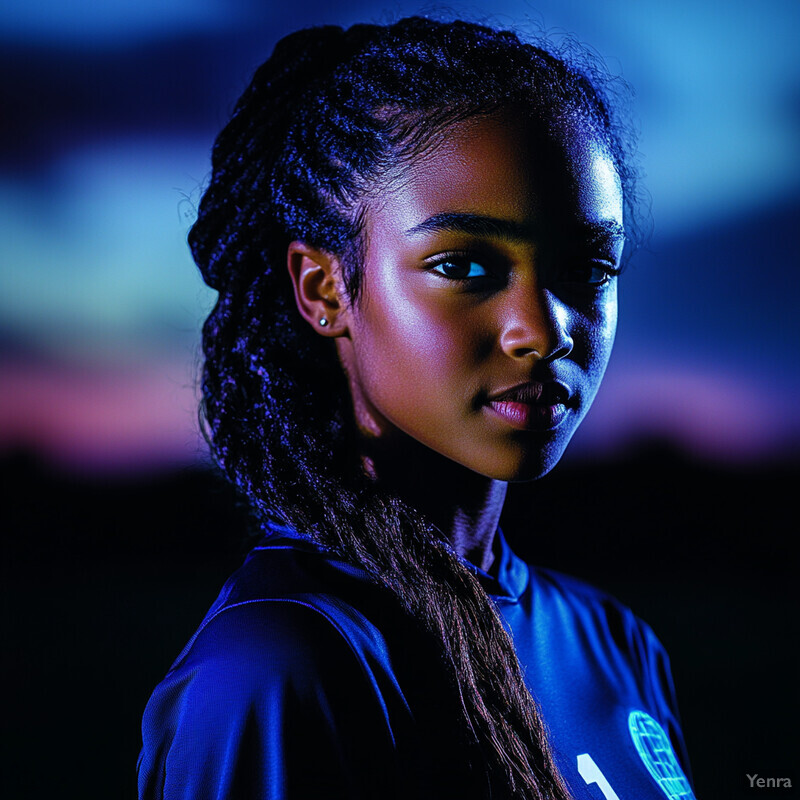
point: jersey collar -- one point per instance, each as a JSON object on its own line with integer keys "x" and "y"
{"x": 506, "y": 579}
{"x": 508, "y": 576}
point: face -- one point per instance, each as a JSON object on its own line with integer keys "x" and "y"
{"x": 489, "y": 298}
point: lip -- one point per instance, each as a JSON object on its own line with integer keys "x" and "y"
{"x": 532, "y": 406}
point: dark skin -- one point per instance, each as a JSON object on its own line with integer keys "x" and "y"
{"x": 486, "y": 319}
{"x": 461, "y": 503}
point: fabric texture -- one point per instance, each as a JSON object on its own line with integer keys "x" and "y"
{"x": 305, "y": 681}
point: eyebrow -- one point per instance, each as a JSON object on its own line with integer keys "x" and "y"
{"x": 475, "y": 225}
{"x": 492, "y": 227}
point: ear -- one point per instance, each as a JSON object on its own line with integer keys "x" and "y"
{"x": 318, "y": 288}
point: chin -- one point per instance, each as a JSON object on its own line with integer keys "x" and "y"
{"x": 519, "y": 471}
{"x": 531, "y": 472}
{"x": 533, "y": 463}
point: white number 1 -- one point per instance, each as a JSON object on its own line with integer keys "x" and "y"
{"x": 590, "y": 772}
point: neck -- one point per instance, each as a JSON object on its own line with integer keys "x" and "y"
{"x": 462, "y": 504}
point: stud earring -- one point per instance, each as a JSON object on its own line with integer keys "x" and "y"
{"x": 323, "y": 322}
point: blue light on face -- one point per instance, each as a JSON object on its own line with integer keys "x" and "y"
{"x": 655, "y": 750}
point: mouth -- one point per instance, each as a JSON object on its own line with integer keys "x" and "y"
{"x": 532, "y": 406}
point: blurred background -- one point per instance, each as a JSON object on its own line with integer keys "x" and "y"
{"x": 676, "y": 494}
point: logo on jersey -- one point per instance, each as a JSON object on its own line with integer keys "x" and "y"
{"x": 655, "y": 750}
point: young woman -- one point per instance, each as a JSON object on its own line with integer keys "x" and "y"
{"x": 415, "y": 232}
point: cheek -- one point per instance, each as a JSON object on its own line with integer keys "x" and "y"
{"x": 601, "y": 329}
{"x": 407, "y": 353}
{"x": 608, "y": 321}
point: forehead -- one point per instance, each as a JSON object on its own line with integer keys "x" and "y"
{"x": 504, "y": 166}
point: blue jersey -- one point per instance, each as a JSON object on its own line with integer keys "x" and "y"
{"x": 305, "y": 681}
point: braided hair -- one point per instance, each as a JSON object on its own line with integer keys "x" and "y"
{"x": 324, "y": 119}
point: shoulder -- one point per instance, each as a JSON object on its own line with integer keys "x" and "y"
{"x": 588, "y": 625}
{"x": 568, "y": 585}
{"x": 602, "y": 631}
{"x": 290, "y": 601}
{"x": 275, "y": 642}
{"x": 591, "y": 605}
{"x": 591, "y": 661}
{"x": 272, "y": 677}
{"x": 287, "y": 621}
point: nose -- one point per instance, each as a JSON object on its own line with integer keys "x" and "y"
{"x": 536, "y": 326}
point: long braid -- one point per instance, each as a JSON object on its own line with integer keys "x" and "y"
{"x": 322, "y": 120}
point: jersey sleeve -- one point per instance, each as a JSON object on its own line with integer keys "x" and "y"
{"x": 657, "y": 675}
{"x": 270, "y": 702}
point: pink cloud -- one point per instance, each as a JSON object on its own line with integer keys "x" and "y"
{"x": 101, "y": 418}
{"x": 705, "y": 413}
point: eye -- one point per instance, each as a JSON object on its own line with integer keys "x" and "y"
{"x": 590, "y": 273}
{"x": 460, "y": 268}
